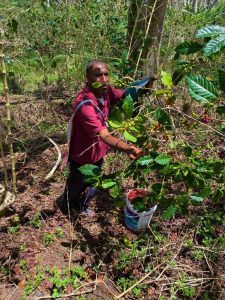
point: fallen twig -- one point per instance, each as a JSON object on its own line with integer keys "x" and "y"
{"x": 74, "y": 293}
{"x": 50, "y": 174}
{"x": 138, "y": 282}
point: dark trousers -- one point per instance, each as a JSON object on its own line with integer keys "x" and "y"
{"x": 76, "y": 185}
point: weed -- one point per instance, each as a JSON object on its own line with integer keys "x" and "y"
{"x": 48, "y": 238}
{"x": 23, "y": 264}
{"x": 198, "y": 254}
{"x": 32, "y": 283}
{"x": 183, "y": 288}
{"x": 63, "y": 278}
{"x": 59, "y": 232}
{"x": 124, "y": 283}
{"x": 16, "y": 225}
{"x": 22, "y": 247}
{"x": 36, "y": 222}
{"x": 14, "y": 229}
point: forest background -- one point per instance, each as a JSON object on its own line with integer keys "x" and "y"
{"x": 46, "y": 46}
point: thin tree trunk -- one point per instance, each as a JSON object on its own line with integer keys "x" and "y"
{"x": 8, "y": 113}
{"x": 145, "y": 24}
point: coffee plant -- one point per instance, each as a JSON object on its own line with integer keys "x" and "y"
{"x": 181, "y": 163}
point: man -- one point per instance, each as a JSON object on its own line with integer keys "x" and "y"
{"x": 89, "y": 138}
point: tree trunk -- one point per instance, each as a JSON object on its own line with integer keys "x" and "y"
{"x": 145, "y": 25}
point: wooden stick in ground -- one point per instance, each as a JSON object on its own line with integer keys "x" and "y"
{"x": 50, "y": 174}
{"x": 4, "y": 163}
{"x": 8, "y": 113}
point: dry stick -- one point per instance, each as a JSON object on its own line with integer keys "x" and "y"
{"x": 50, "y": 174}
{"x": 4, "y": 163}
{"x": 72, "y": 294}
{"x": 138, "y": 282}
{"x": 149, "y": 273}
{"x": 8, "y": 113}
{"x": 146, "y": 34}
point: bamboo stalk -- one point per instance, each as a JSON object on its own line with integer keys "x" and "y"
{"x": 8, "y": 115}
{"x": 4, "y": 163}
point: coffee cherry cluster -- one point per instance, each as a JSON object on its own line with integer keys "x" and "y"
{"x": 206, "y": 119}
{"x": 136, "y": 194}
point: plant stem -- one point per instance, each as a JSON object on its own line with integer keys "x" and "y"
{"x": 8, "y": 114}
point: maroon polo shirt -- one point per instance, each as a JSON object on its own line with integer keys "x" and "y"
{"x": 86, "y": 147}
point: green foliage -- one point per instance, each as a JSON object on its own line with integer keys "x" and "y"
{"x": 59, "y": 232}
{"x": 15, "y": 226}
{"x": 187, "y": 48}
{"x": 36, "y": 222}
{"x": 128, "y": 107}
{"x": 64, "y": 278}
{"x": 201, "y": 89}
{"x": 166, "y": 79}
{"x": 48, "y": 238}
{"x": 210, "y": 31}
{"x": 32, "y": 283}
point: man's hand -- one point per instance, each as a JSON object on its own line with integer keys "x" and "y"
{"x": 133, "y": 152}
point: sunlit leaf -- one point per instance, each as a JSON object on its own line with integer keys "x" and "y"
{"x": 145, "y": 160}
{"x": 114, "y": 124}
{"x": 108, "y": 183}
{"x": 163, "y": 159}
{"x": 115, "y": 191}
{"x": 96, "y": 85}
{"x": 201, "y": 89}
{"x": 214, "y": 45}
{"x": 129, "y": 137}
{"x": 196, "y": 198}
{"x": 166, "y": 79}
{"x": 210, "y": 31}
{"x": 128, "y": 107}
{"x": 90, "y": 170}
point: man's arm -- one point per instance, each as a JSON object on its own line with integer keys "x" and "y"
{"x": 132, "y": 151}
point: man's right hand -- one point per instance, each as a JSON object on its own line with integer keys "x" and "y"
{"x": 133, "y": 152}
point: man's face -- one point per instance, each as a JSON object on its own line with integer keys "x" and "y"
{"x": 98, "y": 79}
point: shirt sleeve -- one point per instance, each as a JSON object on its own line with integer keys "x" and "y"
{"x": 115, "y": 95}
{"x": 89, "y": 119}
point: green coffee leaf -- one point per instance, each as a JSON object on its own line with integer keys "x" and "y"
{"x": 115, "y": 191}
{"x": 145, "y": 160}
{"x": 210, "y": 31}
{"x": 196, "y": 198}
{"x": 214, "y": 45}
{"x": 166, "y": 79}
{"x": 163, "y": 118}
{"x": 128, "y": 107}
{"x": 201, "y": 89}
{"x": 187, "y": 48}
{"x": 108, "y": 183}
{"x": 90, "y": 170}
{"x": 163, "y": 159}
{"x": 114, "y": 124}
{"x": 129, "y": 137}
{"x": 169, "y": 212}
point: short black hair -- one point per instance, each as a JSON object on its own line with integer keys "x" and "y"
{"x": 90, "y": 65}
